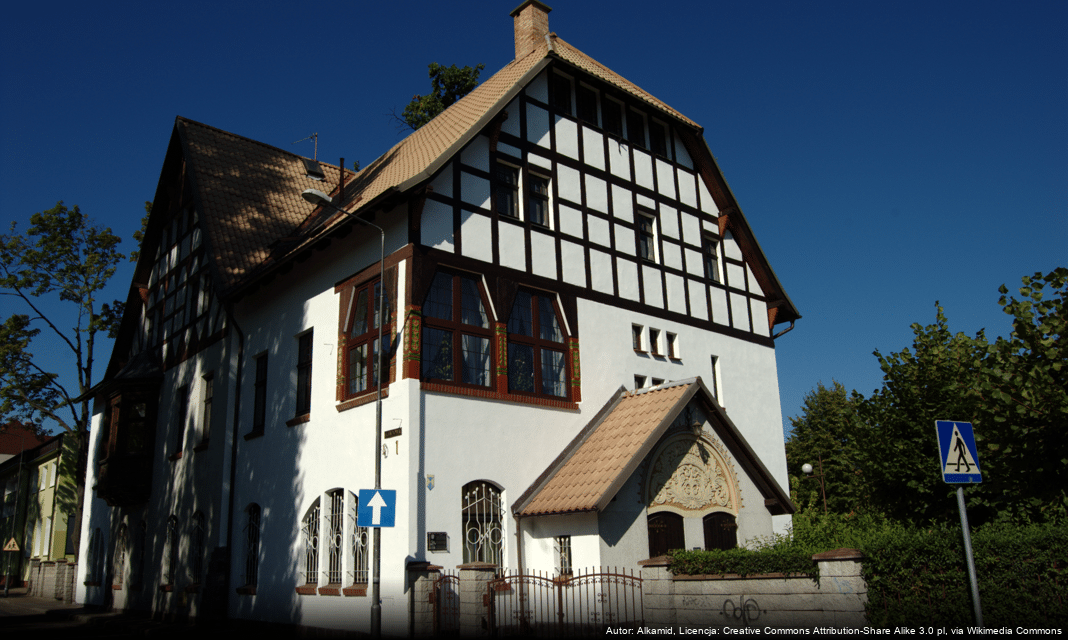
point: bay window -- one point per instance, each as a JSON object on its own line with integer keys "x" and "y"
{"x": 361, "y": 359}
{"x": 537, "y": 357}
{"x": 457, "y": 336}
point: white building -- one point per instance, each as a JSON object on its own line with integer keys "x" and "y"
{"x": 573, "y": 298}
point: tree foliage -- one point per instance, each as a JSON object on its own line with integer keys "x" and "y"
{"x": 825, "y": 437}
{"x": 447, "y": 85}
{"x": 1014, "y": 391}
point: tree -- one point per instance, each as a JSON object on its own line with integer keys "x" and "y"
{"x": 63, "y": 258}
{"x": 827, "y": 432}
{"x": 447, "y": 85}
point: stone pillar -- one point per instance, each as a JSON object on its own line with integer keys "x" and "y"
{"x": 421, "y": 579}
{"x": 658, "y": 592}
{"x": 843, "y": 587}
{"x": 61, "y": 579}
{"x": 33, "y": 578}
{"x": 474, "y": 606}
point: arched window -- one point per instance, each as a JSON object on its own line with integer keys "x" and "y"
{"x": 252, "y": 545}
{"x": 457, "y": 336}
{"x": 310, "y": 531}
{"x": 721, "y": 531}
{"x": 118, "y": 560}
{"x": 360, "y": 542}
{"x": 335, "y": 520}
{"x": 537, "y": 357}
{"x": 665, "y": 533}
{"x": 483, "y": 518}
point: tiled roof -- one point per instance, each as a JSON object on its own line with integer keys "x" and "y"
{"x": 605, "y": 454}
{"x": 250, "y": 192}
{"x": 248, "y": 195}
{"x": 593, "y": 468}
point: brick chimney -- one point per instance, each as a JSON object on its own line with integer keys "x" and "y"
{"x": 531, "y": 26}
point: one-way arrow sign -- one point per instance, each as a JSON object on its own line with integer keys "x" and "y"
{"x": 377, "y": 508}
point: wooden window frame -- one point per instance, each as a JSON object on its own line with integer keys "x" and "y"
{"x": 538, "y": 345}
{"x": 366, "y": 340}
{"x": 646, "y": 236}
{"x": 506, "y": 190}
{"x": 457, "y": 329}
{"x": 711, "y": 259}
{"x": 543, "y": 198}
{"x": 259, "y": 402}
{"x": 304, "y": 373}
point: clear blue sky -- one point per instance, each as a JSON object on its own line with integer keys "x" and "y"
{"x": 887, "y": 155}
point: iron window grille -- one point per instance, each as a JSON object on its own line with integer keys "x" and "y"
{"x": 310, "y": 533}
{"x": 360, "y": 543}
{"x": 562, "y": 546}
{"x": 335, "y": 521}
{"x": 171, "y": 557}
{"x": 537, "y": 362}
{"x": 483, "y": 515}
{"x": 364, "y": 366}
{"x": 304, "y": 373}
{"x": 457, "y": 336}
{"x": 252, "y": 545}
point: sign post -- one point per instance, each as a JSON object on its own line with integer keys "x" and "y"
{"x": 960, "y": 465}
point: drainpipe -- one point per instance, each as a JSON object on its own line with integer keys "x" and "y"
{"x": 233, "y": 461}
{"x": 519, "y": 542}
{"x": 786, "y": 330}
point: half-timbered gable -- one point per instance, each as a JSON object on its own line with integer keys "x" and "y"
{"x": 546, "y": 296}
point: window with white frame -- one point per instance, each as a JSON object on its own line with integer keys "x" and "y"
{"x": 714, "y": 387}
{"x": 482, "y": 515}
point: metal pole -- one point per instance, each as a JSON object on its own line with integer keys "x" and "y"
{"x": 971, "y": 560}
{"x": 376, "y": 573}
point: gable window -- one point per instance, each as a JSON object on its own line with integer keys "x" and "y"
{"x": 538, "y": 200}
{"x": 711, "y": 259}
{"x": 252, "y": 545}
{"x": 259, "y": 402}
{"x": 658, "y": 138}
{"x": 536, "y": 355}
{"x": 586, "y": 99}
{"x": 612, "y": 116}
{"x": 483, "y": 516}
{"x": 457, "y": 337}
{"x": 310, "y": 533}
{"x": 636, "y": 127}
{"x": 362, "y": 361}
{"x": 561, "y": 93}
{"x": 646, "y": 236}
{"x": 304, "y": 371}
{"x": 506, "y": 190}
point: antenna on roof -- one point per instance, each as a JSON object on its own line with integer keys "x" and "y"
{"x": 314, "y": 137}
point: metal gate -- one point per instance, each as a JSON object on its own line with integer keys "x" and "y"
{"x": 445, "y": 597}
{"x": 572, "y": 605}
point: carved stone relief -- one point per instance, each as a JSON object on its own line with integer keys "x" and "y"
{"x": 690, "y": 474}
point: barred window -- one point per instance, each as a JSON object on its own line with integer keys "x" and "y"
{"x": 170, "y": 556}
{"x": 483, "y": 518}
{"x": 196, "y": 554}
{"x": 335, "y": 520}
{"x": 310, "y": 531}
{"x": 360, "y": 543}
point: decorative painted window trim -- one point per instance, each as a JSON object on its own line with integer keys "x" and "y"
{"x": 358, "y": 302}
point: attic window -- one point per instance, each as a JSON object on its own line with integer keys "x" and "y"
{"x": 313, "y": 170}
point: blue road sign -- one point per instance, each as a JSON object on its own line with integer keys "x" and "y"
{"x": 377, "y": 508}
{"x": 957, "y": 453}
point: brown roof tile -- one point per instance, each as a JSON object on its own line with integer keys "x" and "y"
{"x": 604, "y": 456}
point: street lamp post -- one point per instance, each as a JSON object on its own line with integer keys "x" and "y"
{"x": 317, "y": 197}
{"x": 807, "y": 470}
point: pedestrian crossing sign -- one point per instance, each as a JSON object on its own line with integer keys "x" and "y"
{"x": 11, "y": 545}
{"x": 958, "y": 456}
